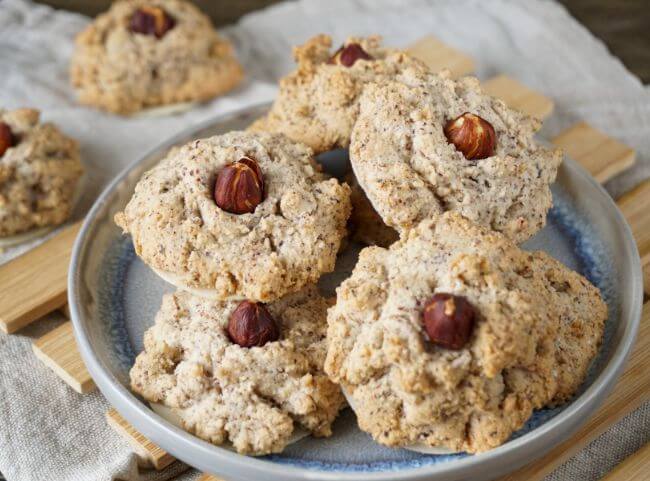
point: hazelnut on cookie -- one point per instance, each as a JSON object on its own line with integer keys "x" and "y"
{"x": 238, "y": 216}
{"x": 149, "y": 53}
{"x": 424, "y": 144}
{"x": 242, "y": 373}
{"x": 39, "y": 172}
{"x": 453, "y": 336}
{"x": 318, "y": 103}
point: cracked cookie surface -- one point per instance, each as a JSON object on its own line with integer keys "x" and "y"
{"x": 38, "y": 174}
{"x": 318, "y": 103}
{"x": 410, "y": 172}
{"x": 122, "y": 71}
{"x": 253, "y": 397}
{"x": 291, "y": 238}
{"x": 366, "y": 224}
{"x": 538, "y": 326}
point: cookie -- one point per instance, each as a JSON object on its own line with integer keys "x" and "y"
{"x": 366, "y": 225}
{"x": 39, "y": 172}
{"x": 252, "y": 397}
{"x": 425, "y": 144}
{"x": 142, "y": 54}
{"x": 453, "y": 336}
{"x": 241, "y": 216}
{"x": 318, "y": 102}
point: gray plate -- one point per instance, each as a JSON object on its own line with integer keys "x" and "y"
{"x": 113, "y": 297}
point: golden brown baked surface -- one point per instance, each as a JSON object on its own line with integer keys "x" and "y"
{"x": 538, "y": 325}
{"x": 410, "y": 171}
{"x": 116, "y": 69}
{"x": 290, "y": 239}
{"x": 253, "y": 397}
{"x": 318, "y": 102}
{"x": 38, "y": 174}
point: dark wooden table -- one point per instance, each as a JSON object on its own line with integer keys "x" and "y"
{"x": 624, "y": 25}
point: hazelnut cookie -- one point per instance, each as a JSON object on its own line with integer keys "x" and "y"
{"x": 39, "y": 172}
{"x": 425, "y": 144}
{"x": 318, "y": 102}
{"x": 366, "y": 226}
{"x": 241, "y": 372}
{"x": 148, "y": 53}
{"x": 453, "y": 336}
{"x": 238, "y": 216}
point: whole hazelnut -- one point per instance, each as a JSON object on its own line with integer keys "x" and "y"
{"x": 449, "y": 320}
{"x": 6, "y": 138}
{"x": 348, "y": 54}
{"x": 149, "y": 20}
{"x": 472, "y": 135}
{"x": 250, "y": 325}
{"x": 239, "y": 187}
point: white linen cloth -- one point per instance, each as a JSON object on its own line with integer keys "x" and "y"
{"x": 49, "y": 432}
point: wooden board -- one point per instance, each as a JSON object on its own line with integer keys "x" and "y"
{"x": 149, "y": 452}
{"x": 603, "y": 156}
{"x": 58, "y": 351}
{"x": 519, "y": 97}
{"x": 439, "y": 56}
{"x": 632, "y": 390}
{"x": 636, "y": 467}
{"x": 35, "y": 283}
{"x": 635, "y": 206}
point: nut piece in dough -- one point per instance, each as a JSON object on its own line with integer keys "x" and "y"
{"x": 251, "y": 324}
{"x": 471, "y": 135}
{"x": 239, "y": 187}
{"x": 151, "y": 21}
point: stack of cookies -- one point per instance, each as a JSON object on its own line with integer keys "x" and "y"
{"x": 243, "y": 224}
{"x": 446, "y": 334}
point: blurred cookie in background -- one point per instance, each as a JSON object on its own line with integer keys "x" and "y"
{"x": 142, "y": 54}
{"x": 40, "y": 170}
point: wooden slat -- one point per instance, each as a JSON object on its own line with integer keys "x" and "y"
{"x": 209, "y": 477}
{"x": 603, "y": 156}
{"x": 35, "y": 283}
{"x": 635, "y": 206}
{"x": 632, "y": 390}
{"x": 148, "y": 452}
{"x": 58, "y": 351}
{"x": 519, "y": 97}
{"x": 439, "y": 56}
{"x": 636, "y": 467}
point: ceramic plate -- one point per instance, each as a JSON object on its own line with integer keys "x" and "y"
{"x": 113, "y": 298}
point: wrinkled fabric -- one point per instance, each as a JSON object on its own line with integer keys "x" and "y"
{"x": 47, "y": 431}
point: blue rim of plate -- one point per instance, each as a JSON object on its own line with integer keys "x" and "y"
{"x": 195, "y": 451}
